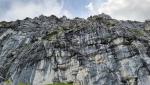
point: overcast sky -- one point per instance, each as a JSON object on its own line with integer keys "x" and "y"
{"x": 119, "y": 9}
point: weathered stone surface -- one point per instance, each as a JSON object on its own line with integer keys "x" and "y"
{"x": 147, "y": 25}
{"x": 94, "y": 51}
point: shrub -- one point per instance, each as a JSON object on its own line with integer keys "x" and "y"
{"x": 54, "y": 34}
{"x": 20, "y": 83}
{"x": 61, "y": 84}
{"x": 137, "y": 32}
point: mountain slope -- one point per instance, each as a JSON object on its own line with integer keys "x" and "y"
{"x": 98, "y": 50}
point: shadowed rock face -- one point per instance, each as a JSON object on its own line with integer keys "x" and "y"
{"x": 98, "y": 50}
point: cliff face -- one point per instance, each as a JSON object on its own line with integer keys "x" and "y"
{"x": 94, "y": 51}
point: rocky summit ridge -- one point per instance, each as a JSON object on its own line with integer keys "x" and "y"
{"x": 98, "y": 50}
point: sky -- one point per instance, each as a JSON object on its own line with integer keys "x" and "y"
{"x": 138, "y": 10}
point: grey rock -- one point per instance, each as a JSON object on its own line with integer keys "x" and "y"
{"x": 147, "y": 25}
{"x": 98, "y": 50}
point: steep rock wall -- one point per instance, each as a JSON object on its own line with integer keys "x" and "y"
{"x": 94, "y": 51}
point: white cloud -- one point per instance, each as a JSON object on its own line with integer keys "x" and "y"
{"x": 90, "y": 7}
{"x": 122, "y": 9}
{"x": 20, "y": 10}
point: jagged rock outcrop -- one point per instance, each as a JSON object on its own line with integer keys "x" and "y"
{"x": 98, "y": 50}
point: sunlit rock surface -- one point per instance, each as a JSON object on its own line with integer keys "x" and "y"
{"x": 98, "y": 50}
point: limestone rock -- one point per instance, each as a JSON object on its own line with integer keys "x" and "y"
{"x": 147, "y": 25}
{"x": 94, "y": 51}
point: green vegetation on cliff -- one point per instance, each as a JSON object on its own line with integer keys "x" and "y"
{"x": 61, "y": 84}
